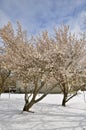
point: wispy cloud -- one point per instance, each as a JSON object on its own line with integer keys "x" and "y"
{"x": 37, "y": 15}
{"x": 77, "y": 23}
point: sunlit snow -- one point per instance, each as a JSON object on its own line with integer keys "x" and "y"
{"x": 48, "y": 114}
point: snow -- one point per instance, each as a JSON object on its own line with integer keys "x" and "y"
{"x": 48, "y": 114}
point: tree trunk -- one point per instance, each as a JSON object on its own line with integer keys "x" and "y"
{"x": 64, "y": 99}
{"x": 27, "y": 106}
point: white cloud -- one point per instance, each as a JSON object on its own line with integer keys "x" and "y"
{"x": 36, "y": 15}
{"x": 77, "y": 23}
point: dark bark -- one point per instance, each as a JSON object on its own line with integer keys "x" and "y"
{"x": 27, "y": 106}
{"x": 64, "y": 99}
{"x": 65, "y": 93}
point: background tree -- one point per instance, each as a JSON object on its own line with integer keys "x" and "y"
{"x": 4, "y": 73}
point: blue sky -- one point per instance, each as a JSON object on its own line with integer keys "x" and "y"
{"x": 38, "y": 15}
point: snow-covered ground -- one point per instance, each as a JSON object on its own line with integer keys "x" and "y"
{"x": 48, "y": 114}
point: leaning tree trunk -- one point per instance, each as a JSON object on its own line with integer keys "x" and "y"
{"x": 27, "y": 106}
